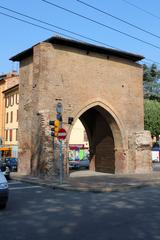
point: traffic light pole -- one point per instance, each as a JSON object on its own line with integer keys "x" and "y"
{"x": 54, "y": 132}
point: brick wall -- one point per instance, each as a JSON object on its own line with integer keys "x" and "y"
{"x": 82, "y": 80}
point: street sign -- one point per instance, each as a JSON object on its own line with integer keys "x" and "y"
{"x": 62, "y": 134}
{"x": 59, "y": 108}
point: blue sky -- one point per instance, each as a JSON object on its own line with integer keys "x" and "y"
{"x": 17, "y": 36}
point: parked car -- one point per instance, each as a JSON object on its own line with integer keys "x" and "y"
{"x": 5, "y": 169}
{"x": 84, "y": 163}
{"x": 12, "y": 163}
{"x": 3, "y": 190}
{"x": 74, "y": 164}
{"x": 77, "y": 164}
{"x": 156, "y": 154}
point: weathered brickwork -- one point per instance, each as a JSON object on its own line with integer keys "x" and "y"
{"x": 104, "y": 91}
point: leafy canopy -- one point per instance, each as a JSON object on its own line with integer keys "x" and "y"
{"x": 151, "y": 73}
{"x": 152, "y": 116}
{"x": 151, "y": 82}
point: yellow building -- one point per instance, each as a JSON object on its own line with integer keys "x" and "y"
{"x": 9, "y": 101}
{"x": 78, "y": 135}
{"x": 78, "y": 142}
{"x": 2, "y": 108}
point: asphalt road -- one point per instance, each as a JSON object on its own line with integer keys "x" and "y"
{"x": 36, "y": 213}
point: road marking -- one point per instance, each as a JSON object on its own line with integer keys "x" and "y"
{"x": 15, "y": 182}
{"x": 27, "y": 187}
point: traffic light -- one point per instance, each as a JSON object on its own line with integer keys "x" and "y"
{"x": 55, "y": 128}
{"x": 70, "y": 120}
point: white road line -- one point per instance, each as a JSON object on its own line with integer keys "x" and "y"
{"x": 27, "y": 187}
{"x": 15, "y": 182}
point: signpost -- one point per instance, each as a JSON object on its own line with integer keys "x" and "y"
{"x": 62, "y": 134}
{"x": 58, "y": 132}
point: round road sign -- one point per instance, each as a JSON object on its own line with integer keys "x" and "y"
{"x": 62, "y": 134}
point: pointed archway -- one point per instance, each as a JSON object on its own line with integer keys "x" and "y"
{"x": 105, "y": 140}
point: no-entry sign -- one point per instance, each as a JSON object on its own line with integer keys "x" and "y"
{"x": 62, "y": 134}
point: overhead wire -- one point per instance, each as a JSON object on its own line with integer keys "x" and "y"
{"x": 100, "y": 23}
{"x": 150, "y": 60}
{"x": 51, "y": 30}
{"x": 33, "y": 24}
{"x": 117, "y": 18}
{"x": 52, "y": 25}
{"x": 142, "y": 9}
{"x": 124, "y": 21}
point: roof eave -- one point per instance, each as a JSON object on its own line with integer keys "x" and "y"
{"x": 11, "y": 88}
{"x": 80, "y": 45}
{"x": 26, "y": 53}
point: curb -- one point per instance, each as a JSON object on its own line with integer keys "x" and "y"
{"x": 68, "y": 187}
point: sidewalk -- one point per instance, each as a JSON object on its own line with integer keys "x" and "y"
{"x": 95, "y": 182}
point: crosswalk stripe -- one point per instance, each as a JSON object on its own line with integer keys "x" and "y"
{"x": 27, "y": 187}
{"x": 15, "y": 182}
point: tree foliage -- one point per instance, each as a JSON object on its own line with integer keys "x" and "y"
{"x": 152, "y": 116}
{"x": 151, "y": 82}
{"x": 151, "y": 90}
{"x": 151, "y": 73}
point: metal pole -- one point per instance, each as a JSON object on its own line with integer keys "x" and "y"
{"x": 61, "y": 162}
{"x": 61, "y": 156}
{"x": 59, "y": 109}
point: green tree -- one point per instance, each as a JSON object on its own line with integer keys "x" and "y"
{"x": 151, "y": 73}
{"x": 152, "y": 116}
{"x": 151, "y": 82}
{"x": 146, "y": 74}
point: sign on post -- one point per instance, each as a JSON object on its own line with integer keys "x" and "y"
{"x": 62, "y": 134}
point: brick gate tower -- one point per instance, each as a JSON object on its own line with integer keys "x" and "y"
{"x": 100, "y": 86}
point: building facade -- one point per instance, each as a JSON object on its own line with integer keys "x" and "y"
{"x": 78, "y": 142}
{"x": 11, "y": 96}
{"x": 9, "y": 100}
{"x": 78, "y": 135}
{"x": 2, "y": 108}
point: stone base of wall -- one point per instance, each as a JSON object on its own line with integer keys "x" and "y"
{"x": 120, "y": 161}
{"x": 24, "y": 162}
{"x": 140, "y": 160}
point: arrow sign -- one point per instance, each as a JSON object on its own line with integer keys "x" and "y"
{"x": 62, "y": 134}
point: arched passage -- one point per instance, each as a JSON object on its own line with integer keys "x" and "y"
{"x": 105, "y": 140}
